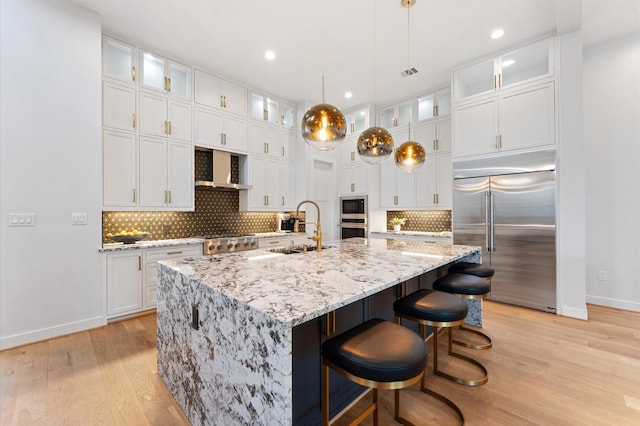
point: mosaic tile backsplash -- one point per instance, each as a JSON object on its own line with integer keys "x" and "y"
{"x": 422, "y": 220}
{"x": 216, "y": 212}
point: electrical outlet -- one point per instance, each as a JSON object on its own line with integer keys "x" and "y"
{"x": 78, "y": 218}
{"x": 602, "y": 276}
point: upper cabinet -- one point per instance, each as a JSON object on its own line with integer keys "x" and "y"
{"x": 118, "y": 60}
{"x": 217, "y": 93}
{"x": 357, "y": 121}
{"x": 166, "y": 76}
{"x": 287, "y": 116}
{"x": 522, "y": 65}
{"x": 264, "y": 108}
{"x": 396, "y": 115}
{"x": 435, "y": 105}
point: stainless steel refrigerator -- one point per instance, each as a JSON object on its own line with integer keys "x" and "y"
{"x": 512, "y": 216}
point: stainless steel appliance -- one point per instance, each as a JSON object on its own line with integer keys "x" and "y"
{"x": 512, "y": 216}
{"x": 228, "y": 243}
{"x": 353, "y": 217}
{"x": 285, "y": 223}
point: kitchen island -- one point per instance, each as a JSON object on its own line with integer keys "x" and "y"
{"x": 239, "y": 334}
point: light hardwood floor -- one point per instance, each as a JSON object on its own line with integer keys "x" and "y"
{"x": 543, "y": 370}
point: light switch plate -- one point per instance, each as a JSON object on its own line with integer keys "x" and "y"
{"x": 78, "y": 218}
{"x": 22, "y": 219}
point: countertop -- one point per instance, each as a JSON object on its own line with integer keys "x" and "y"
{"x": 113, "y": 247}
{"x": 444, "y": 234}
{"x": 296, "y": 288}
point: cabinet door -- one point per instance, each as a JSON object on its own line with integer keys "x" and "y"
{"x": 527, "y": 118}
{"x": 207, "y": 90}
{"x": 388, "y": 195}
{"x": 209, "y": 128}
{"x": 235, "y": 98}
{"x": 180, "y": 123}
{"x": 257, "y": 171}
{"x": 257, "y": 138}
{"x": 287, "y": 186}
{"x": 443, "y": 136}
{"x": 236, "y": 133}
{"x": 118, "y": 59}
{"x": 179, "y": 80}
{"x": 287, "y": 116}
{"x": 426, "y": 136}
{"x": 443, "y": 102}
{"x": 360, "y": 178}
{"x": 527, "y": 63}
{"x": 272, "y": 142}
{"x": 153, "y": 75}
{"x": 405, "y": 188}
{"x": 119, "y": 169}
{"x": 347, "y": 186}
{"x": 427, "y": 183}
{"x": 153, "y": 114}
{"x": 124, "y": 283}
{"x": 445, "y": 180}
{"x": 475, "y": 79}
{"x": 153, "y": 172}
{"x": 287, "y": 145}
{"x": 272, "y": 179}
{"x": 476, "y": 128}
{"x": 118, "y": 106}
{"x": 180, "y": 175}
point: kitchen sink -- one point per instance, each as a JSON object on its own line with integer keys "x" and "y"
{"x": 297, "y": 249}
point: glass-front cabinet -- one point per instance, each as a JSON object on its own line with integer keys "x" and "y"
{"x": 434, "y": 105}
{"x": 264, "y": 108}
{"x": 395, "y": 115}
{"x": 170, "y": 77}
{"x": 287, "y": 116}
{"x": 528, "y": 63}
{"x": 118, "y": 59}
{"x": 357, "y": 120}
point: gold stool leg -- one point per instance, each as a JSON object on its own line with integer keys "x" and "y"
{"x": 460, "y": 380}
{"x": 485, "y": 346}
{"x": 325, "y": 395}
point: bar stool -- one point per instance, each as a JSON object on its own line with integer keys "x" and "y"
{"x": 439, "y": 310}
{"x": 474, "y": 283}
{"x": 378, "y": 354}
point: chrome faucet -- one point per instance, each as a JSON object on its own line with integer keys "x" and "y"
{"x": 318, "y": 237}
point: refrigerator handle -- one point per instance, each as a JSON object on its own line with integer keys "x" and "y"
{"x": 492, "y": 226}
{"x": 487, "y": 222}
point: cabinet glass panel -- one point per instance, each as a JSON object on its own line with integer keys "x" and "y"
{"x": 527, "y": 63}
{"x": 180, "y": 80}
{"x": 387, "y": 118}
{"x": 272, "y": 111}
{"x": 404, "y": 114}
{"x": 153, "y": 71}
{"x": 117, "y": 59}
{"x": 360, "y": 120}
{"x": 288, "y": 114}
{"x": 444, "y": 102}
{"x": 425, "y": 107}
{"x": 474, "y": 79}
{"x": 257, "y": 107}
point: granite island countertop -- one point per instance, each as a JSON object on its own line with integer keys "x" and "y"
{"x": 296, "y": 288}
{"x": 114, "y": 247}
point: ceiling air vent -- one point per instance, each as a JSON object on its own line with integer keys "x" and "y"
{"x": 411, "y": 71}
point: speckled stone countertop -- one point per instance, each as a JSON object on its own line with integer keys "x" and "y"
{"x": 390, "y": 234}
{"x": 108, "y": 248}
{"x": 296, "y": 288}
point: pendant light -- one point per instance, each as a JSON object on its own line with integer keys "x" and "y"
{"x": 375, "y": 143}
{"x": 410, "y": 155}
{"x": 323, "y": 125}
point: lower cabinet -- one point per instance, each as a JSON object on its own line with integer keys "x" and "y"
{"x": 132, "y": 277}
{"x": 284, "y": 241}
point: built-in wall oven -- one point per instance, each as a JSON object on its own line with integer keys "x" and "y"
{"x": 353, "y": 217}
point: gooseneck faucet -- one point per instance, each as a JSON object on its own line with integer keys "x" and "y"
{"x": 318, "y": 237}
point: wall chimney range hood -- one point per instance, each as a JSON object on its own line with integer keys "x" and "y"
{"x": 214, "y": 171}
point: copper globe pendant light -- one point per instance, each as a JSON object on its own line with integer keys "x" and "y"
{"x": 323, "y": 126}
{"x": 409, "y": 156}
{"x": 375, "y": 143}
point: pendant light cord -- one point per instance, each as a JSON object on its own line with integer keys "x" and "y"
{"x": 375, "y": 62}
{"x": 409, "y": 65}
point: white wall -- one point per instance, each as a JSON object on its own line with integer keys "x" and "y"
{"x": 612, "y": 142}
{"x": 50, "y": 164}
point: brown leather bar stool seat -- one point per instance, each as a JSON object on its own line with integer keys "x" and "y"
{"x": 438, "y": 310}
{"x": 378, "y": 354}
{"x": 475, "y": 283}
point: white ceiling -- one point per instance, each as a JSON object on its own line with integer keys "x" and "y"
{"x": 230, "y": 38}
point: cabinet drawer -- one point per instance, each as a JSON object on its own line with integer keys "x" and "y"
{"x": 173, "y": 252}
{"x": 266, "y": 243}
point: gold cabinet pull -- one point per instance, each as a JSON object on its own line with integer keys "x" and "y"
{"x": 265, "y": 115}
{"x": 221, "y": 101}
{"x": 167, "y": 84}
{"x": 133, "y": 73}
{"x": 282, "y": 201}
{"x": 133, "y": 120}
{"x": 500, "y": 80}
{"x": 434, "y": 145}
{"x": 169, "y": 196}
{"x": 353, "y": 156}
{"x": 282, "y": 149}
{"x": 169, "y": 127}
{"x": 134, "y": 194}
{"x": 353, "y": 187}
{"x": 437, "y": 198}
{"x": 495, "y": 81}
{"x": 166, "y": 127}
{"x": 395, "y": 200}
{"x": 224, "y": 101}
{"x": 435, "y": 111}
{"x": 437, "y": 144}
{"x": 282, "y": 123}
{"x": 497, "y": 143}
{"x": 165, "y": 197}
{"x": 139, "y": 263}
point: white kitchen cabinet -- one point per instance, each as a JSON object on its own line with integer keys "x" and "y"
{"x": 166, "y": 174}
{"x": 264, "y": 176}
{"x": 285, "y": 240}
{"x": 165, "y": 75}
{"x": 265, "y": 108}
{"x": 220, "y": 94}
{"x": 519, "y": 66}
{"x": 349, "y": 151}
{"x": 118, "y": 60}
{"x": 151, "y": 259}
{"x": 434, "y": 136}
{"x": 217, "y": 130}
{"x": 287, "y": 145}
{"x": 287, "y": 186}
{"x": 265, "y": 140}
{"x": 160, "y": 116}
{"x": 357, "y": 121}
{"x": 434, "y": 105}
{"x": 354, "y": 179}
{"x": 434, "y": 182}
{"x": 397, "y": 188}
{"x": 119, "y": 106}
{"x": 124, "y": 283}
{"x": 119, "y": 170}
{"x": 396, "y": 115}
{"x": 518, "y": 119}
{"x": 287, "y": 116}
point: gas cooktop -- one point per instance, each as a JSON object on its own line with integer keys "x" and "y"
{"x": 228, "y": 243}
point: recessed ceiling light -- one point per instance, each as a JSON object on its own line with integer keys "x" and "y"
{"x": 496, "y": 34}
{"x": 270, "y": 55}
{"x": 348, "y": 95}
{"x": 508, "y": 62}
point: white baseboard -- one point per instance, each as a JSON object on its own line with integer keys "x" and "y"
{"x": 8, "y": 342}
{"x": 568, "y": 311}
{"x": 614, "y": 303}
